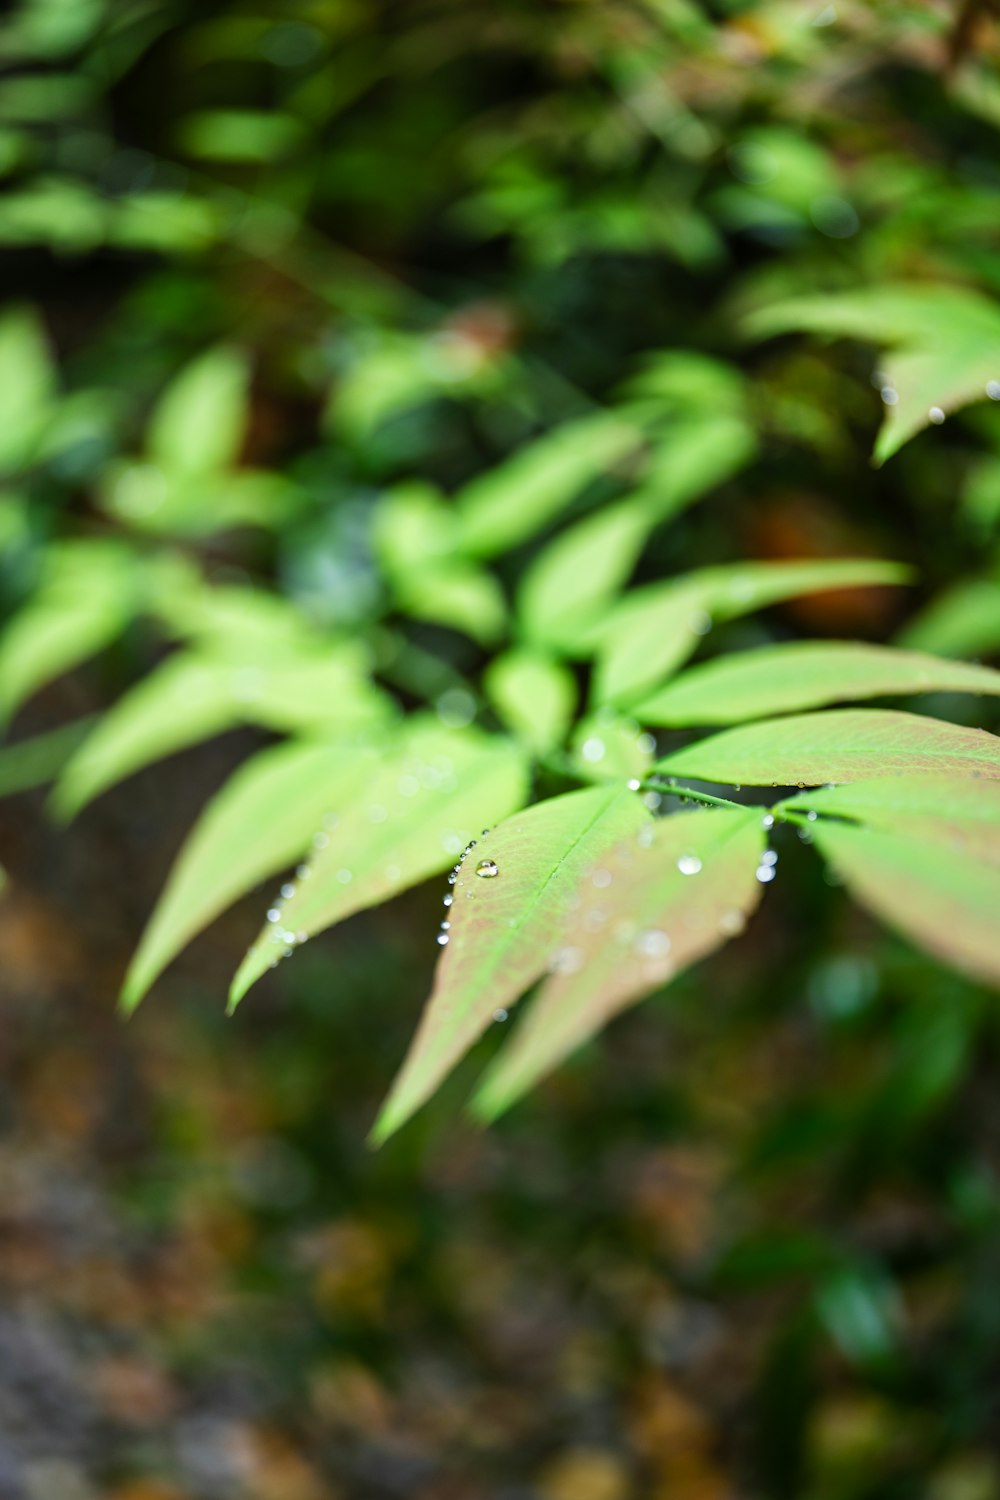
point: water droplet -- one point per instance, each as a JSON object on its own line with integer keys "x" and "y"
{"x": 601, "y": 878}
{"x": 442, "y": 938}
{"x": 500, "y": 1015}
{"x": 595, "y": 919}
{"x": 274, "y": 915}
{"x": 320, "y": 840}
{"x": 689, "y": 864}
{"x": 288, "y": 890}
{"x": 646, "y": 743}
{"x": 645, "y": 836}
{"x": 451, "y": 843}
{"x": 448, "y": 900}
{"x": 487, "y": 868}
{"x": 634, "y": 784}
{"x": 732, "y": 922}
{"x": 484, "y": 833}
{"x": 653, "y": 800}
{"x": 935, "y": 415}
{"x": 392, "y": 872}
{"x": 653, "y": 944}
{"x": 700, "y": 623}
{"x": 345, "y": 877}
{"x": 566, "y": 961}
{"x": 453, "y": 877}
{"x": 765, "y": 873}
{"x": 593, "y": 749}
{"x": 889, "y": 395}
{"x": 769, "y": 857}
{"x": 445, "y": 926}
{"x": 407, "y": 786}
{"x": 767, "y": 821}
{"x": 302, "y": 937}
{"x": 812, "y": 815}
{"x": 303, "y": 872}
{"x": 993, "y": 389}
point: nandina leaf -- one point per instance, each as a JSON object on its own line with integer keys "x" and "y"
{"x": 260, "y": 822}
{"x": 805, "y": 674}
{"x": 648, "y": 909}
{"x": 942, "y": 899}
{"x": 847, "y": 744}
{"x": 505, "y": 927}
{"x": 961, "y": 814}
{"x": 419, "y": 810}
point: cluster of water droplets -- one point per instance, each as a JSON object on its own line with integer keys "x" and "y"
{"x": 935, "y": 414}
{"x": 287, "y": 938}
{"x": 486, "y": 869}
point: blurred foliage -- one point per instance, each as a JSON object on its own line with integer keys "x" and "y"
{"x": 490, "y": 362}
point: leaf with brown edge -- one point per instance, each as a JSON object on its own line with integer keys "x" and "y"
{"x": 943, "y": 900}
{"x": 961, "y": 814}
{"x": 847, "y": 744}
{"x": 504, "y": 926}
{"x": 648, "y": 909}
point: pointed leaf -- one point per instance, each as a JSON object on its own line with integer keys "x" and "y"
{"x": 506, "y": 928}
{"x": 941, "y": 899}
{"x": 27, "y": 387}
{"x": 961, "y": 814}
{"x": 692, "y": 457}
{"x": 805, "y": 674}
{"x": 419, "y": 811}
{"x": 573, "y": 579}
{"x": 846, "y": 744}
{"x": 86, "y": 599}
{"x": 199, "y": 422}
{"x": 261, "y": 821}
{"x": 519, "y": 497}
{"x": 656, "y": 628}
{"x": 641, "y": 920}
{"x": 534, "y": 696}
{"x": 963, "y": 621}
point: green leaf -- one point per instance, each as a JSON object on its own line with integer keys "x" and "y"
{"x": 259, "y": 823}
{"x": 194, "y": 696}
{"x": 847, "y": 744}
{"x": 413, "y": 528}
{"x": 27, "y": 387}
{"x": 420, "y": 810}
{"x": 574, "y": 578}
{"x": 692, "y": 457}
{"x": 87, "y": 596}
{"x": 804, "y": 674}
{"x": 534, "y": 696}
{"x": 459, "y": 595}
{"x": 945, "y": 346}
{"x": 641, "y": 920}
{"x": 183, "y": 701}
{"x": 506, "y": 930}
{"x": 942, "y": 899}
{"x": 519, "y": 497}
{"x": 33, "y": 762}
{"x": 656, "y": 628}
{"x": 240, "y": 135}
{"x": 963, "y": 621}
{"x": 962, "y": 815}
{"x": 609, "y": 747}
{"x": 200, "y": 420}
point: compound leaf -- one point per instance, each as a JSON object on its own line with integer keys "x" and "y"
{"x": 648, "y": 909}
{"x": 506, "y": 927}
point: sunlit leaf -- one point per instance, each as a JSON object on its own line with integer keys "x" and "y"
{"x": 942, "y": 899}
{"x": 240, "y": 135}
{"x": 804, "y": 674}
{"x": 944, "y": 344}
{"x": 648, "y": 909}
{"x": 87, "y": 596}
{"x": 261, "y": 821}
{"x": 963, "y": 621}
{"x": 27, "y": 387}
{"x": 180, "y": 703}
{"x": 506, "y": 927}
{"x": 198, "y": 425}
{"x": 579, "y": 573}
{"x": 847, "y": 744}
{"x": 656, "y": 628}
{"x": 436, "y": 791}
{"x": 521, "y": 496}
{"x": 960, "y": 814}
{"x": 534, "y": 696}
{"x": 458, "y": 594}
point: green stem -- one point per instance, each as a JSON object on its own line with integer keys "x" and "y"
{"x": 656, "y": 784}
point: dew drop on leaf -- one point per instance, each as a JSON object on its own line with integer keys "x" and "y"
{"x": 487, "y": 869}
{"x": 689, "y": 864}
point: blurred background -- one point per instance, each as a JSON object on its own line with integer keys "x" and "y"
{"x": 747, "y": 1244}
